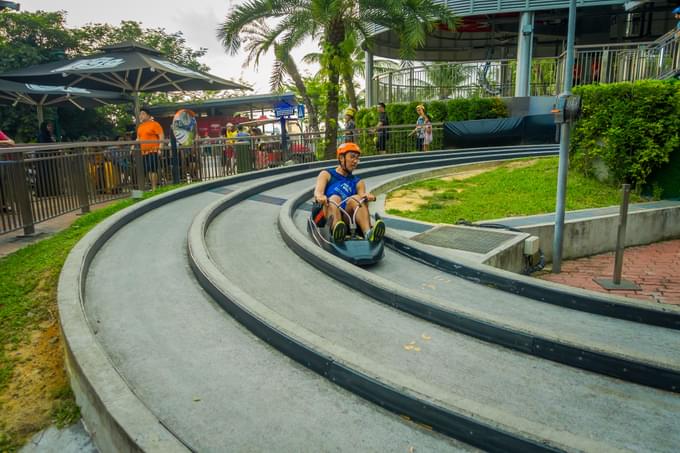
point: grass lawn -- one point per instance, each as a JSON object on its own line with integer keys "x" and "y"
{"x": 34, "y": 390}
{"x": 491, "y": 191}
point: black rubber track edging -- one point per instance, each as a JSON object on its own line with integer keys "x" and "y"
{"x": 463, "y": 426}
{"x": 652, "y": 315}
{"x": 406, "y": 300}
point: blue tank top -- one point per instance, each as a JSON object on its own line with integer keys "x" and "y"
{"x": 343, "y": 186}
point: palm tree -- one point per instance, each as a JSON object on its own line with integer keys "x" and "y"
{"x": 333, "y": 23}
{"x": 355, "y": 65}
{"x": 257, "y": 43}
{"x": 444, "y": 78}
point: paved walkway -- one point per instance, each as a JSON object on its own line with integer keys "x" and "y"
{"x": 11, "y": 242}
{"x": 655, "y": 268}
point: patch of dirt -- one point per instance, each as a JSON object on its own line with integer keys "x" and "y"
{"x": 26, "y": 403}
{"x": 411, "y": 200}
{"x": 408, "y": 200}
{"x": 521, "y": 163}
{"x": 463, "y": 175}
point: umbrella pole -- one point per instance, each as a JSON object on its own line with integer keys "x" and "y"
{"x": 41, "y": 115}
{"x": 137, "y": 107}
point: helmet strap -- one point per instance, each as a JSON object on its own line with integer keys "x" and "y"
{"x": 343, "y": 166}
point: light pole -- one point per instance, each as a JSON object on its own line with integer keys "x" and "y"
{"x": 565, "y": 130}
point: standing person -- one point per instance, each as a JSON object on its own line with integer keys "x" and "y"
{"x": 423, "y": 126}
{"x": 149, "y": 129}
{"x": 230, "y": 155}
{"x": 350, "y": 126}
{"x": 46, "y": 133}
{"x": 381, "y": 129}
{"x": 427, "y": 140}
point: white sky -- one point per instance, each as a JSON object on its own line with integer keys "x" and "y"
{"x": 198, "y": 21}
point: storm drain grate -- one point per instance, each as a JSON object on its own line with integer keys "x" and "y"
{"x": 476, "y": 240}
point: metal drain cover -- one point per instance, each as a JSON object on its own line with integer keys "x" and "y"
{"x": 476, "y": 240}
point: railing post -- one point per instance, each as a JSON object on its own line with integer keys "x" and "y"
{"x": 411, "y": 89}
{"x": 140, "y": 184}
{"x": 81, "y": 182}
{"x": 616, "y": 282}
{"x": 604, "y": 67}
{"x": 389, "y": 87}
{"x": 23, "y": 195}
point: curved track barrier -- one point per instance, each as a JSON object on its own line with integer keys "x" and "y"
{"x": 109, "y": 407}
{"x": 615, "y": 307}
{"x": 399, "y": 393}
{"x": 612, "y": 361}
{"x": 122, "y": 420}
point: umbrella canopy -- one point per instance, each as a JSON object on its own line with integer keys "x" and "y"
{"x": 127, "y": 67}
{"x": 56, "y": 96}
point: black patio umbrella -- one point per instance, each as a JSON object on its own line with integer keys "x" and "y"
{"x": 12, "y": 93}
{"x": 128, "y": 68}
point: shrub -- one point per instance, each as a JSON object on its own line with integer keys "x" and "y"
{"x": 438, "y": 111}
{"x": 631, "y": 127}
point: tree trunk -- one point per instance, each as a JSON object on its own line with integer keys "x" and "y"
{"x": 331, "y": 61}
{"x": 349, "y": 89}
{"x": 292, "y": 70}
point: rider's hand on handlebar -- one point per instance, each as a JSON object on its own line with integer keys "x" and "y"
{"x": 370, "y": 197}
{"x": 323, "y": 199}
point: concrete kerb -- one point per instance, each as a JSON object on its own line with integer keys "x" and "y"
{"x": 477, "y": 323}
{"x": 540, "y": 290}
{"x": 113, "y": 414}
{"x": 464, "y": 419}
{"x": 116, "y": 418}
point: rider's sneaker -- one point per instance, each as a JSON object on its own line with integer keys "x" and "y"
{"x": 377, "y": 233}
{"x": 339, "y": 232}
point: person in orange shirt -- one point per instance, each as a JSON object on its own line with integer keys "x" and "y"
{"x": 149, "y": 129}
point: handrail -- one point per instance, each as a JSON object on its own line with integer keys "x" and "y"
{"x": 595, "y": 63}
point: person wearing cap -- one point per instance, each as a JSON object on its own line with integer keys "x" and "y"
{"x": 676, "y": 14}
{"x": 344, "y": 189}
{"x": 350, "y": 126}
{"x": 229, "y": 154}
{"x": 150, "y": 130}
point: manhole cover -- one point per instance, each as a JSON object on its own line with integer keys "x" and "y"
{"x": 476, "y": 240}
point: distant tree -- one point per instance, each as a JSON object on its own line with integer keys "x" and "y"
{"x": 28, "y": 38}
{"x": 336, "y": 25}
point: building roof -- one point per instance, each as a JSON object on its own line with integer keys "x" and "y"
{"x": 488, "y": 29}
{"x": 227, "y": 106}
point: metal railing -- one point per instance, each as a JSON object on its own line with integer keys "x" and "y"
{"x": 40, "y": 182}
{"x": 593, "y": 64}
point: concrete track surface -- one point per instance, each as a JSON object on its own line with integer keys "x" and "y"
{"x": 192, "y": 324}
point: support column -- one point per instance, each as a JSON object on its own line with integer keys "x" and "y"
{"x": 368, "y": 71}
{"x": 525, "y": 42}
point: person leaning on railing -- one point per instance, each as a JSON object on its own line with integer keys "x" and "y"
{"x": 148, "y": 130}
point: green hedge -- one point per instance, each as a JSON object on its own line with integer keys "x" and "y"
{"x": 630, "y": 127}
{"x": 438, "y": 111}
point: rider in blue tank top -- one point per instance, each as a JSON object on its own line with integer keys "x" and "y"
{"x": 342, "y": 194}
{"x": 342, "y": 185}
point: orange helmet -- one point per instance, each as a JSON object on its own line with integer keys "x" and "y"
{"x": 348, "y": 147}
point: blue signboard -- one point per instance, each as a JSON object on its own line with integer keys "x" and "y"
{"x": 301, "y": 110}
{"x": 283, "y": 109}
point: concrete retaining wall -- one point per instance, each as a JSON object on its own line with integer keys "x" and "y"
{"x": 598, "y": 234}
